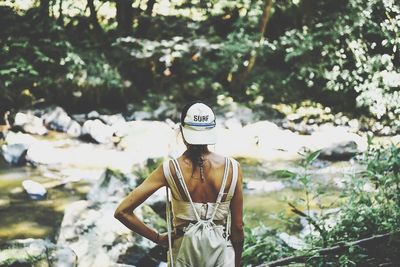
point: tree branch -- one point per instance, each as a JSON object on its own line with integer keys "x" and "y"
{"x": 334, "y": 250}
{"x": 239, "y": 80}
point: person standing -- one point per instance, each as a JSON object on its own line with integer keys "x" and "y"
{"x": 206, "y": 190}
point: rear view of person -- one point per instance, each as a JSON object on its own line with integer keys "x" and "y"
{"x": 207, "y": 200}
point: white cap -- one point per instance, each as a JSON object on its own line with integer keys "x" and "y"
{"x": 198, "y": 126}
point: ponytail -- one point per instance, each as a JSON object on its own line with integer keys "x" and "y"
{"x": 195, "y": 155}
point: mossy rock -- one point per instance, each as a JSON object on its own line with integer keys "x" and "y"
{"x": 35, "y": 253}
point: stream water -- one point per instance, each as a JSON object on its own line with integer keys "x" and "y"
{"x": 21, "y": 217}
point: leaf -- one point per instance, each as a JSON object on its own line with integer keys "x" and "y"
{"x": 311, "y": 157}
{"x": 284, "y": 174}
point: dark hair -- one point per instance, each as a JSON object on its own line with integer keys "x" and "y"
{"x": 194, "y": 152}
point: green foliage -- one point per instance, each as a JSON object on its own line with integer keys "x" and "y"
{"x": 144, "y": 170}
{"x": 342, "y": 55}
{"x": 263, "y": 245}
{"x": 43, "y": 61}
{"x": 351, "y": 48}
{"x": 370, "y": 212}
{"x": 369, "y": 205}
{"x": 376, "y": 210}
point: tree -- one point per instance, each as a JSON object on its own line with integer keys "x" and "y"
{"x": 124, "y": 17}
{"x": 44, "y": 8}
{"x": 145, "y": 20}
{"x": 239, "y": 79}
{"x": 93, "y": 16}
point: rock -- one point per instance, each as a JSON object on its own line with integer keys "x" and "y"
{"x": 15, "y": 148}
{"x": 98, "y": 131}
{"x": 112, "y": 186}
{"x": 233, "y": 123}
{"x": 331, "y": 217}
{"x": 292, "y": 241}
{"x": 34, "y": 190}
{"x": 35, "y": 252}
{"x": 328, "y": 137}
{"x": 57, "y": 119}
{"x": 80, "y": 118}
{"x": 340, "y": 151}
{"x": 77, "y": 154}
{"x": 14, "y": 153}
{"x": 301, "y": 128}
{"x": 91, "y": 231}
{"x": 354, "y": 125}
{"x": 263, "y": 186}
{"x": 112, "y": 120}
{"x": 98, "y": 239}
{"x": 149, "y": 139}
{"x": 242, "y": 113}
{"x": 62, "y": 257}
{"x": 93, "y": 115}
{"x": 74, "y": 129}
{"x": 141, "y": 115}
{"x": 29, "y": 123}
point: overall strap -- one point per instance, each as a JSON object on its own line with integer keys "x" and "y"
{"x": 171, "y": 181}
{"x": 231, "y": 192}
{"x": 221, "y": 191}
{"x": 220, "y": 194}
{"x": 170, "y": 186}
{"x": 235, "y": 171}
{"x": 183, "y": 184}
{"x": 169, "y": 228}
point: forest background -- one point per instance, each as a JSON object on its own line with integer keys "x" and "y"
{"x": 88, "y": 54}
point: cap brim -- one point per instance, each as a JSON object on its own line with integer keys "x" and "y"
{"x": 205, "y": 137}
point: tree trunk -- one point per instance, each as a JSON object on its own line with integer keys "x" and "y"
{"x": 93, "y": 16}
{"x": 124, "y": 17}
{"x": 239, "y": 79}
{"x": 60, "y": 13}
{"x": 145, "y": 21}
{"x": 44, "y": 8}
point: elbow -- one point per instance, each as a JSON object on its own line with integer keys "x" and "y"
{"x": 119, "y": 214}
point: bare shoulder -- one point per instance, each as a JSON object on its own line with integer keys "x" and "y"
{"x": 216, "y": 159}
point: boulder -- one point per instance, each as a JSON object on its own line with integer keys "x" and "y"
{"x": 141, "y": 115}
{"x": 14, "y": 153}
{"x": 112, "y": 119}
{"x": 98, "y": 131}
{"x": 263, "y": 139}
{"x": 335, "y": 142}
{"x": 93, "y": 115}
{"x": 35, "y": 252}
{"x": 91, "y": 231}
{"x": 35, "y": 190}
{"x": 340, "y": 151}
{"x": 149, "y": 139}
{"x": 80, "y": 118}
{"x": 15, "y": 148}
{"x": 98, "y": 239}
{"x": 113, "y": 185}
{"x": 77, "y": 154}
{"x": 29, "y": 123}
{"x": 57, "y": 119}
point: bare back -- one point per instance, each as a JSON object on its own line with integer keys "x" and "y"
{"x": 207, "y": 190}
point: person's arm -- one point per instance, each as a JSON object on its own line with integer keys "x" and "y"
{"x": 237, "y": 234}
{"x": 124, "y": 212}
